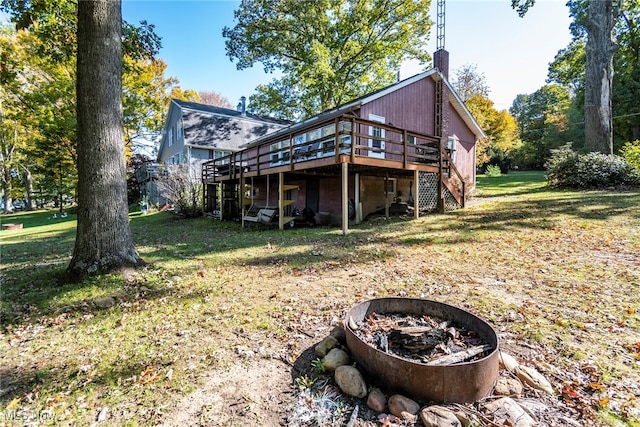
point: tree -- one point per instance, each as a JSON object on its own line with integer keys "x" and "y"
{"x": 184, "y": 94}
{"x": 38, "y": 76}
{"x": 103, "y": 238}
{"x": 598, "y": 19}
{"x": 499, "y": 126}
{"x": 598, "y": 107}
{"x": 469, "y": 82}
{"x": 214, "y": 99}
{"x": 145, "y": 98}
{"x": 626, "y": 84}
{"x": 542, "y": 119}
{"x": 328, "y": 51}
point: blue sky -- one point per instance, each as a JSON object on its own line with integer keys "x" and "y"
{"x": 513, "y": 53}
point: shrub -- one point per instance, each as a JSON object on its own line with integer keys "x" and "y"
{"x": 631, "y": 154}
{"x": 493, "y": 171}
{"x": 184, "y": 190}
{"x": 567, "y": 168}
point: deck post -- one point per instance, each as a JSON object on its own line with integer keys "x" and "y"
{"x": 242, "y": 200}
{"x": 336, "y": 138}
{"x": 357, "y": 198}
{"x": 386, "y": 196}
{"x": 404, "y": 148}
{"x": 416, "y": 192}
{"x": 345, "y": 198}
{"x": 281, "y": 200}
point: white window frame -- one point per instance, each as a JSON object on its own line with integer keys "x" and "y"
{"x": 452, "y": 146}
{"x": 377, "y": 132}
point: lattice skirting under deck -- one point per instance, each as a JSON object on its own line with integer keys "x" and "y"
{"x": 428, "y": 194}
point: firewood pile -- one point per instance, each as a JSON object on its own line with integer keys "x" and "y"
{"x": 421, "y": 339}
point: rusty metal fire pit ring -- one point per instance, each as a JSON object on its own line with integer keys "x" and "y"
{"x": 461, "y": 383}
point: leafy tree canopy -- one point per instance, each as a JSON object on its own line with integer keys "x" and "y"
{"x": 469, "y": 82}
{"x": 214, "y": 98}
{"x": 328, "y": 51}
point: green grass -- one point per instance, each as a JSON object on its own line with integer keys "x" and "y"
{"x": 549, "y": 261}
{"x": 511, "y": 184}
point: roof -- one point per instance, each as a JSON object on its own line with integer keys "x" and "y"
{"x": 206, "y": 126}
{"x": 204, "y": 108}
{"x": 454, "y": 100}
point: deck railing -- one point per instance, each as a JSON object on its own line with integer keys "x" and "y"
{"x": 344, "y": 135}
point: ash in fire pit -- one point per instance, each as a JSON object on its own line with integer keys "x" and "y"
{"x": 421, "y": 339}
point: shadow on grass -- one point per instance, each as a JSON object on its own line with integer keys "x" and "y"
{"x": 19, "y": 379}
{"x": 31, "y": 267}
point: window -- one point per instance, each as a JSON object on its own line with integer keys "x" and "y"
{"x": 391, "y": 187}
{"x": 452, "y": 145}
{"x": 170, "y": 137}
{"x": 377, "y": 141}
{"x": 279, "y": 153}
{"x": 179, "y": 130}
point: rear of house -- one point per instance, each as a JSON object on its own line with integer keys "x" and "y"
{"x": 194, "y": 133}
{"x": 408, "y": 148}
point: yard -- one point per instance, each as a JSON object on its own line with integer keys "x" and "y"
{"x": 218, "y": 329}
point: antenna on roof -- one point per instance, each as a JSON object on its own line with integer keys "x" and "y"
{"x": 440, "y": 21}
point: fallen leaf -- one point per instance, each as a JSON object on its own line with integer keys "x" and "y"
{"x": 13, "y": 403}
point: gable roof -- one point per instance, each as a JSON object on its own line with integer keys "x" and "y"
{"x": 433, "y": 73}
{"x": 204, "y": 108}
{"x": 209, "y": 127}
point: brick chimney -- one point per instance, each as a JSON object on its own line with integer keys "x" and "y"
{"x": 242, "y": 106}
{"x": 441, "y": 62}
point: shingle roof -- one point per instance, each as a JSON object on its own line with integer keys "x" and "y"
{"x": 227, "y": 112}
{"x": 223, "y": 128}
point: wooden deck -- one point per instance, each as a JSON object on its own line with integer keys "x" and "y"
{"x": 325, "y": 147}
{"x": 359, "y": 142}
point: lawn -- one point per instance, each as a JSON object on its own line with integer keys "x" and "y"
{"x": 217, "y": 330}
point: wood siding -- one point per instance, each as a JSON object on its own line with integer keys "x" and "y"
{"x": 411, "y": 107}
{"x": 466, "y": 147}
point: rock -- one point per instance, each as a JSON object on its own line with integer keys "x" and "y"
{"x": 339, "y": 333}
{"x": 533, "y": 407}
{"x": 439, "y": 416}
{"x": 105, "y": 302}
{"x": 399, "y": 404}
{"x": 467, "y": 419}
{"x": 376, "y": 401}
{"x": 325, "y": 345}
{"x": 350, "y": 381}
{"x": 507, "y": 411}
{"x": 534, "y": 379}
{"x": 511, "y": 387}
{"x": 508, "y": 362}
{"x": 335, "y": 358}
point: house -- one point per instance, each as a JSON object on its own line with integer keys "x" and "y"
{"x": 194, "y": 133}
{"x": 408, "y": 148}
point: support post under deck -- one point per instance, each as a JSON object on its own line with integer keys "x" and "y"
{"x": 345, "y": 198}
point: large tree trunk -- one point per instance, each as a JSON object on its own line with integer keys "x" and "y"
{"x": 599, "y": 77}
{"x": 28, "y": 186}
{"x": 103, "y": 240}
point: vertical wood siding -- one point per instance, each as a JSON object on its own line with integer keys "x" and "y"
{"x": 412, "y": 107}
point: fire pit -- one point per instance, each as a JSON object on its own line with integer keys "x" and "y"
{"x": 457, "y": 382}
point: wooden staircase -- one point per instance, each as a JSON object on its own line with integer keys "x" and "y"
{"x": 452, "y": 179}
